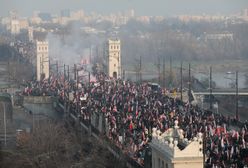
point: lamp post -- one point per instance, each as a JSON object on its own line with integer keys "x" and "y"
{"x": 236, "y": 93}
{"x": 140, "y": 69}
{"x": 181, "y": 81}
{"x": 237, "y": 96}
{"x": 181, "y": 69}
{"x": 76, "y": 77}
{"x": 90, "y": 112}
{"x": 210, "y": 87}
{"x": 4, "y": 120}
{"x": 189, "y": 92}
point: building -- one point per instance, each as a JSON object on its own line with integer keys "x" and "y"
{"x": 78, "y": 15}
{"x": 245, "y": 12}
{"x": 14, "y": 27}
{"x": 30, "y": 34}
{"x": 218, "y": 36}
{"x": 113, "y": 58}
{"x": 171, "y": 150}
{"x": 130, "y": 13}
{"x": 13, "y": 14}
{"x": 45, "y": 16}
{"x": 35, "y": 20}
{"x": 42, "y": 60}
{"x": 23, "y": 22}
{"x": 65, "y": 13}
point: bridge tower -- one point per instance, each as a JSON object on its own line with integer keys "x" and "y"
{"x": 42, "y": 60}
{"x": 113, "y": 58}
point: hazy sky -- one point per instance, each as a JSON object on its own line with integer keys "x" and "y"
{"x": 141, "y": 7}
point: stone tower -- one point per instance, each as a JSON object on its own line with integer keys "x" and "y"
{"x": 113, "y": 52}
{"x": 42, "y": 60}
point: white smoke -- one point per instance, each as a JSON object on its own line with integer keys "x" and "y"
{"x": 74, "y": 47}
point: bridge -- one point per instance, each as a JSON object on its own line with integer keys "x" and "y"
{"x": 223, "y": 92}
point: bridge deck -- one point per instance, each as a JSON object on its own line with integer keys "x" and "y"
{"x": 222, "y": 93}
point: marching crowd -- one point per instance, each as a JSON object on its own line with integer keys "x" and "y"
{"x": 132, "y": 110}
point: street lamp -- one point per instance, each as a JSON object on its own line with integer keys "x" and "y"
{"x": 181, "y": 68}
{"x": 236, "y": 93}
{"x": 181, "y": 79}
{"x": 76, "y": 76}
{"x": 210, "y": 87}
{"x": 66, "y": 90}
{"x": 76, "y": 69}
{"x": 189, "y": 92}
{"x": 90, "y": 112}
{"x": 4, "y": 120}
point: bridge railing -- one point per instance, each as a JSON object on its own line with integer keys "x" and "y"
{"x": 99, "y": 129}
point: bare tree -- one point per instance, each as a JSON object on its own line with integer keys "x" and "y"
{"x": 57, "y": 144}
{"x": 49, "y": 144}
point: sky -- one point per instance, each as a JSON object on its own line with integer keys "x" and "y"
{"x": 141, "y": 7}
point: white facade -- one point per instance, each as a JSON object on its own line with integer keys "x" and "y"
{"x": 114, "y": 58}
{"x": 219, "y": 36}
{"x": 30, "y": 34}
{"x": 172, "y": 150}
{"x": 14, "y": 27}
{"x": 42, "y": 59}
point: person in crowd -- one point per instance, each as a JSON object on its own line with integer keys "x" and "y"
{"x": 132, "y": 110}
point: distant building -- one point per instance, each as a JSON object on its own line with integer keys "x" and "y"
{"x": 42, "y": 60}
{"x": 13, "y": 14}
{"x": 113, "y": 58}
{"x": 171, "y": 150}
{"x": 36, "y": 20}
{"x": 130, "y": 13}
{"x": 30, "y": 34}
{"x": 65, "y": 13}
{"x": 14, "y": 27}
{"x": 45, "y": 17}
{"x": 77, "y": 15}
{"x": 245, "y": 12}
{"x": 218, "y": 36}
{"x": 23, "y": 23}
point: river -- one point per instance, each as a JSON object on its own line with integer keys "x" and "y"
{"x": 3, "y": 75}
{"x": 223, "y": 80}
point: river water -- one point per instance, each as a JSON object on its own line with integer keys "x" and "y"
{"x": 3, "y": 75}
{"x": 223, "y": 80}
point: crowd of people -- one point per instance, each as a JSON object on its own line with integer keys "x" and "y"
{"x": 132, "y": 110}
